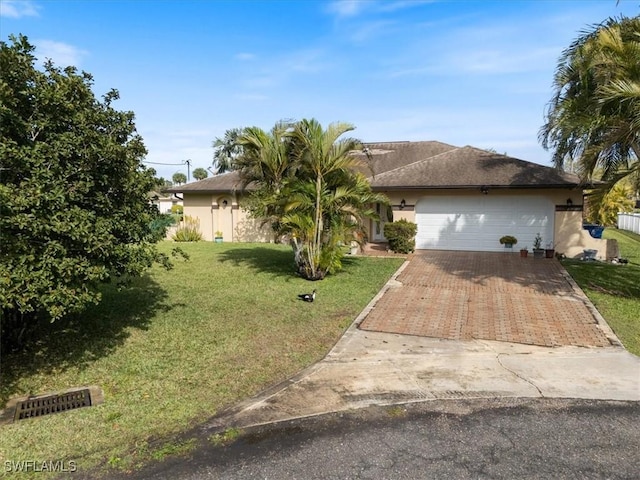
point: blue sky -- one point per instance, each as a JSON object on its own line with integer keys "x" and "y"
{"x": 462, "y": 72}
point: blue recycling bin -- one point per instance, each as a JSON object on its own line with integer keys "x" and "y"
{"x": 594, "y": 230}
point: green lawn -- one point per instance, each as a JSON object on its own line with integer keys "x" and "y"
{"x": 615, "y": 289}
{"x": 178, "y": 346}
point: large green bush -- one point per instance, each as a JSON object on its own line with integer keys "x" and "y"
{"x": 401, "y": 236}
{"x": 74, "y": 206}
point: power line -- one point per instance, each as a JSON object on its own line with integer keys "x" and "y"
{"x": 158, "y": 163}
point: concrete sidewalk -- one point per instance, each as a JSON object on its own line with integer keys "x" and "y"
{"x": 374, "y": 368}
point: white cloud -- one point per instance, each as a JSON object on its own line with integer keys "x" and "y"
{"x": 501, "y": 61}
{"x": 353, "y": 8}
{"x": 402, "y": 4}
{"x": 489, "y": 50}
{"x": 244, "y": 56}
{"x": 370, "y": 30}
{"x": 346, "y": 8}
{"x": 18, "y": 9}
{"x": 409, "y": 72}
{"x": 62, "y": 54}
{"x": 279, "y": 71}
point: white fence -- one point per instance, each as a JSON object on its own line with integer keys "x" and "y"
{"x": 629, "y": 221}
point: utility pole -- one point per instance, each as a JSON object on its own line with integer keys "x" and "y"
{"x": 188, "y": 162}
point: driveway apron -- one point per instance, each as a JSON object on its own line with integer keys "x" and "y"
{"x": 488, "y": 296}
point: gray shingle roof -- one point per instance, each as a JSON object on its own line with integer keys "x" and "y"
{"x": 224, "y": 183}
{"x": 391, "y": 155}
{"x": 400, "y": 165}
{"x": 462, "y": 168}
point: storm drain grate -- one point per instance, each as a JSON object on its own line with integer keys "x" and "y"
{"x": 38, "y": 407}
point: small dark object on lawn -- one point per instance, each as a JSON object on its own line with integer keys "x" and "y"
{"x": 308, "y": 297}
{"x": 620, "y": 260}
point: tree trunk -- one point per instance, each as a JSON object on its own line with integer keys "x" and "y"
{"x": 315, "y": 253}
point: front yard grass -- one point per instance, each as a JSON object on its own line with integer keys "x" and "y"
{"x": 615, "y": 289}
{"x": 175, "y": 348}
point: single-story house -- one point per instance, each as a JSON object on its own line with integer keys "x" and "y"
{"x": 461, "y": 198}
{"x": 164, "y": 201}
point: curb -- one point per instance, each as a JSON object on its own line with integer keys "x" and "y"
{"x": 600, "y": 321}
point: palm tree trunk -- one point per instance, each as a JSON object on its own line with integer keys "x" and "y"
{"x": 317, "y": 226}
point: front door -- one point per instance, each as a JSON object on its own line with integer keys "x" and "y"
{"x": 377, "y": 235}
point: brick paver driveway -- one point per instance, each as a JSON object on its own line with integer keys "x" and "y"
{"x": 490, "y": 296}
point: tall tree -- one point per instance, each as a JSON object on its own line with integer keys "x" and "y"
{"x": 226, "y": 150}
{"x": 594, "y": 114}
{"x": 179, "y": 178}
{"x": 331, "y": 196}
{"x": 73, "y": 192}
{"x": 308, "y": 187}
{"x": 200, "y": 173}
{"x": 266, "y": 165}
{"x": 266, "y": 158}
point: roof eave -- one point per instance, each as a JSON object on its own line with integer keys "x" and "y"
{"x": 471, "y": 187}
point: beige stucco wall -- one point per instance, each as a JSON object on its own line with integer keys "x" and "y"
{"x": 199, "y": 206}
{"x": 572, "y": 239}
{"x": 229, "y": 218}
{"x": 222, "y": 215}
{"x": 248, "y": 229}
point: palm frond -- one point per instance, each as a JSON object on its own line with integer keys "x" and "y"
{"x": 594, "y": 113}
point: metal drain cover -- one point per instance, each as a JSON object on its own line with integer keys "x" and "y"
{"x": 41, "y": 405}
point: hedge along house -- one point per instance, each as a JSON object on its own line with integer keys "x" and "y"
{"x": 461, "y": 198}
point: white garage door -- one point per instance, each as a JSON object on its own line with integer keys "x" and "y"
{"x": 477, "y": 222}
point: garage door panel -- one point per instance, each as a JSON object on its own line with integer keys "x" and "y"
{"x": 476, "y": 223}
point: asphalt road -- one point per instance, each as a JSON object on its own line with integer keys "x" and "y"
{"x": 502, "y": 439}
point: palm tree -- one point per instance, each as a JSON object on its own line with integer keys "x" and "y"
{"x": 179, "y": 178}
{"x": 330, "y": 200}
{"x": 265, "y": 158}
{"x": 346, "y": 201}
{"x": 226, "y": 150}
{"x": 594, "y": 114}
{"x": 200, "y": 173}
{"x": 305, "y": 184}
{"x": 266, "y": 165}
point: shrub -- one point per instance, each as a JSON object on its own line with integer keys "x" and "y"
{"x": 510, "y": 239}
{"x": 74, "y": 203}
{"x": 189, "y": 231}
{"x": 159, "y": 226}
{"x": 401, "y": 236}
{"x": 604, "y": 207}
